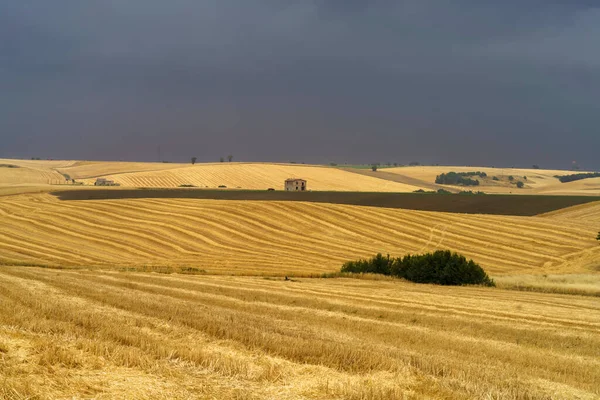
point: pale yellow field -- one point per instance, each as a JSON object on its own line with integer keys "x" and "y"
{"x": 241, "y": 237}
{"x": 82, "y": 334}
{"x": 257, "y": 176}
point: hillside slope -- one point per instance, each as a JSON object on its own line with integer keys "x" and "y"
{"x": 588, "y": 214}
{"x": 92, "y": 169}
{"x": 275, "y": 237}
{"x": 257, "y": 176}
{"x": 26, "y": 172}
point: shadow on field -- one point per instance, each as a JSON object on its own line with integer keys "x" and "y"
{"x": 519, "y": 205}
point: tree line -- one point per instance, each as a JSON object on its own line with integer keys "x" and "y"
{"x": 577, "y": 177}
{"x": 459, "y": 178}
{"x": 442, "y": 267}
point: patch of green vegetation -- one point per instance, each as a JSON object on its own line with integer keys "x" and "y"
{"x": 9, "y": 166}
{"x": 442, "y": 267}
{"x": 459, "y": 178}
{"x": 577, "y": 177}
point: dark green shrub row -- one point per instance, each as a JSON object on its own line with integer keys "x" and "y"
{"x": 577, "y": 177}
{"x": 439, "y": 191}
{"x": 442, "y": 267}
{"x": 453, "y": 178}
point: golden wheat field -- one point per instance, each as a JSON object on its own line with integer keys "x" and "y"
{"x": 93, "y": 334}
{"x": 258, "y": 237}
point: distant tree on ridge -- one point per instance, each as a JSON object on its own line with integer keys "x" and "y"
{"x": 194, "y": 160}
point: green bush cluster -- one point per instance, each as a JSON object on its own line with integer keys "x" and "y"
{"x": 577, "y": 177}
{"x": 460, "y": 178}
{"x": 439, "y": 191}
{"x": 442, "y": 267}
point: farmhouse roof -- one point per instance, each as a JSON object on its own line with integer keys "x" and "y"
{"x": 295, "y": 179}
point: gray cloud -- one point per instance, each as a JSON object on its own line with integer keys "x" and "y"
{"x": 503, "y": 83}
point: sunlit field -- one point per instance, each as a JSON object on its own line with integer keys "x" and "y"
{"x": 88, "y": 334}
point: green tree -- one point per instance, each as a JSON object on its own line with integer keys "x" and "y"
{"x": 194, "y": 160}
{"x": 374, "y": 167}
{"x": 230, "y": 158}
{"x": 221, "y": 159}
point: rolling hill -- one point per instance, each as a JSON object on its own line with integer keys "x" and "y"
{"x": 256, "y": 176}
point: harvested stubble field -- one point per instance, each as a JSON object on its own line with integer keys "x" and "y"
{"x": 96, "y": 334}
{"x": 257, "y": 237}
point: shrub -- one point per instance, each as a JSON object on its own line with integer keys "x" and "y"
{"x": 495, "y": 178}
{"x": 441, "y": 267}
{"x": 520, "y": 185}
{"x": 536, "y": 166}
{"x": 511, "y": 178}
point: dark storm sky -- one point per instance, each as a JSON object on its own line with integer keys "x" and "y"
{"x": 486, "y": 82}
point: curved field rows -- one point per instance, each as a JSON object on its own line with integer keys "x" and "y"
{"x": 258, "y": 176}
{"x": 98, "y": 334}
{"x": 247, "y": 237}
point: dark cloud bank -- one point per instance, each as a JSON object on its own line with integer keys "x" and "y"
{"x": 452, "y": 82}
